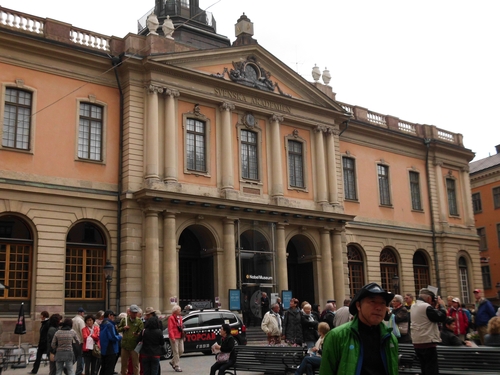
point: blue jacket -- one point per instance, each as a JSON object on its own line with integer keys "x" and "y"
{"x": 484, "y": 312}
{"x": 109, "y": 338}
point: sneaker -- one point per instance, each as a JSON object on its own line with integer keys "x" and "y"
{"x": 177, "y": 369}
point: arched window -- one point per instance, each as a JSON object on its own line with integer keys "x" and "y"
{"x": 421, "y": 274}
{"x": 85, "y": 258}
{"x": 356, "y": 269}
{"x": 16, "y": 258}
{"x": 464, "y": 280}
{"x": 388, "y": 269}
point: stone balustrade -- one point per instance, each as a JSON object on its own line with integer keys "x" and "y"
{"x": 21, "y": 21}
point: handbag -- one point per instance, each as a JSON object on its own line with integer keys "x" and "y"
{"x": 223, "y": 357}
{"x": 138, "y": 347}
{"x": 403, "y": 328}
{"x": 96, "y": 351}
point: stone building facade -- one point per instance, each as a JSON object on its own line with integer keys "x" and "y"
{"x": 199, "y": 170}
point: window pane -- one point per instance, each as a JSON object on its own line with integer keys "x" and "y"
{"x": 295, "y": 158}
{"x": 481, "y": 232}
{"x": 17, "y": 119}
{"x": 349, "y": 178}
{"x": 496, "y": 197}
{"x": 195, "y": 145}
{"x": 249, "y": 163}
{"x": 476, "y": 202}
{"x": 452, "y": 198}
{"x": 415, "y": 191}
{"x": 90, "y": 132}
{"x": 383, "y": 183}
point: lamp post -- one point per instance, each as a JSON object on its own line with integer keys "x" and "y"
{"x": 395, "y": 284}
{"x": 498, "y": 289}
{"x": 108, "y": 273}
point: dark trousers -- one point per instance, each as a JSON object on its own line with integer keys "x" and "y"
{"x": 150, "y": 365}
{"x": 222, "y": 367}
{"x": 39, "y": 353}
{"x": 90, "y": 363}
{"x": 428, "y": 360}
{"x": 107, "y": 364}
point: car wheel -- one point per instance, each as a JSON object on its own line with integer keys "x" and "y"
{"x": 168, "y": 350}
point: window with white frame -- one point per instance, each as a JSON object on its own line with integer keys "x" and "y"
{"x": 296, "y": 164}
{"x": 416, "y": 203}
{"x": 17, "y": 119}
{"x": 249, "y": 155}
{"x": 383, "y": 184}
{"x": 90, "y": 132}
{"x": 452, "y": 196}
{"x": 464, "y": 279}
{"x": 196, "y": 145}
{"x": 349, "y": 167}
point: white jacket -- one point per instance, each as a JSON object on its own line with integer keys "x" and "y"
{"x": 270, "y": 324}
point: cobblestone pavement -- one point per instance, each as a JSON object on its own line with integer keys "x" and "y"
{"x": 191, "y": 364}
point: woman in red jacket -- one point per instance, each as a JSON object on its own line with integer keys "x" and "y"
{"x": 90, "y": 335}
{"x": 176, "y": 336}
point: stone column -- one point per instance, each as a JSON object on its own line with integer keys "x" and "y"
{"x": 338, "y": 265}
{"x": 320, "y": 165}
{"x": 170, "y": 260}
{"x": 467, "y": 197}
{"x": 151, "y": 261}
{"x": 442, "y": 198}
{"x": 332, "y": 165}
{"x": 276, "y": 149}
{"x": 227, "y": 155}
{"x": 171, "y": 146}
{"x": 152, "y": 147}
{"x": 229, "y": 269}
{"x": 281, "y": 267}
{"x": 326, "y": 265}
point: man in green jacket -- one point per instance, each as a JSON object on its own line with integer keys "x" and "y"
{"x": 364, "y": 346}
{"x": 130, "y": 327}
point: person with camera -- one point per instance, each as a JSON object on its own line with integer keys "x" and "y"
{"x": 176, "y": 337}
{"x": 427, "y": 312}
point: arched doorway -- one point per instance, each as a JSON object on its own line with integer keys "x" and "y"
{"x": 196, "y": 267}
{"x": 388, "y": 269}
{"x": 84, "y": 277}
{"x": 356, "y": 270}
{"x": 300, "y": 251}
{"x": 16, "y": 259}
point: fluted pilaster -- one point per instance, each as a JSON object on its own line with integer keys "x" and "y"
{"x": 276, "y": 149}
{"x": 332, "y": 165}
{"x": 171, "y": 147}
{"x": 320, "y": 165}
{"x": 152, "y": 133}
{"x": 227, "y": 172}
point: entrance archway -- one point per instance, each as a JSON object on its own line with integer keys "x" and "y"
{"x": 300, "y": 251}
{"x": 196, "y": 266}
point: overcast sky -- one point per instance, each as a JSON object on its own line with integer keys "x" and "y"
{"x": 428, "y": 62}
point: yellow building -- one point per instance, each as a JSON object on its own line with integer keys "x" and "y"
{"x": 195, "y": 166}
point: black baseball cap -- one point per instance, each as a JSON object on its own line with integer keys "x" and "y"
{"x": 371, "y": 289}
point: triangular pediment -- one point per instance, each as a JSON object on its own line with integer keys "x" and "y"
{"x": 253, "y": 67}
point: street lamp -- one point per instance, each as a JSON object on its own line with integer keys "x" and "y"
{"x": 395, "y": 284}
{"x": 498, "y": 289}
{"x": 108, "y": 273}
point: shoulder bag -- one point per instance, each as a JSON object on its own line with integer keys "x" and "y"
{"x": 223, "y": 357}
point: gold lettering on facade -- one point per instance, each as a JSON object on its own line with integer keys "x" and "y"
{"x": 251, "y": 100}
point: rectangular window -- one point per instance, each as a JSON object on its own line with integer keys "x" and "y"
{"x": 496, "y": 197}
{"x": 483, "y": 245}
{"x": 15, "y": 270}
{"x": 349, "y": 178}
{"x": 90, "y": 132}
{"x": 17, "y": 119}
{"x": 249, "y": 158}
{"x": 476, "y": 203}
{"x": 296, "y": 167}
{"x": 498, "y": 234}
{"x": 84, "y": 273}
{"x": 485, "y": 271}
{"x": 416, "y": 203}
{"x": 383, "y": 184}
{"x": 452, "y": 196}
{"x": 195, "y": 145}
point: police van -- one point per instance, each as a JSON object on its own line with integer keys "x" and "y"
{"x": 202, "y": 329}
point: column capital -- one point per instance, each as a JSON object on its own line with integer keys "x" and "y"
{"x": 465, "y": 168}
{"x": 320, "y": 129}
{"x": 331, "y": 130}
{"x": 438, "y": 163}
{"x": 226, "y": 106}
{"x": 153, "y": 89}
{"x": 172, "y": 92}
{"x": 276, "y": 118}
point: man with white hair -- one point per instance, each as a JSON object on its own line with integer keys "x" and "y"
{"x": 130, "y": 328}
{"x": 271, "y": 324}
{"x": 427, "y": 312}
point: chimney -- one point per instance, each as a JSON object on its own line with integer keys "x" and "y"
{"x": 244, "y": 32}
{"x": 497, "y": 147}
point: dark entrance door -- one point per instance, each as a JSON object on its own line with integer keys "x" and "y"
{"x": 196, "y": 273}
{"x": 300, "y": 273}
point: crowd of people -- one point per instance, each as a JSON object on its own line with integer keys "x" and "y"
{"x": 95, "y": 342}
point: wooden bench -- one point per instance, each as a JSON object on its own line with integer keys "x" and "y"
{"x": 453, "y": 360}
{"x": 267, "y": 359}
